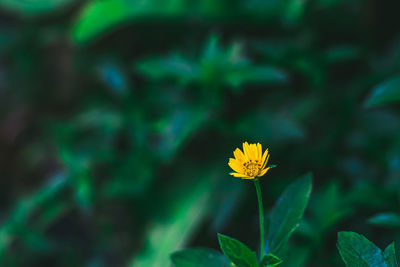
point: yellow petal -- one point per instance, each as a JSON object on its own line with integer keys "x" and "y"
{"x": 254, "y": 151}
{"x": 249, "y": 178}
{"x": 259, "y": 150}
{"x": 246, "y": 150}
{"x": 264, "y": 157}
{"x": 255, "y": 148}
{"x": 240, "y": 175}
{"x": 263, "y": 172}
{"x": 235, "y": 165}
{"x": 265, "y": 162}
{"x": 251, "y": 151}
{"x": 239, "y": 155}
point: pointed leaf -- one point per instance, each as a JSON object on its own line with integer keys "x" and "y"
{"x": 270, "y": 260}
{"x": 386, "y": 220}
{"x": 390, "y": 256}
{"x": 199, "y": 257}
{"x": 287, "y": 213}
{"x": 237, "y": 252}
{"x": 98, "y": 17}
{"x": 356, "y": 250}
{"x": 186, "y": 209}
{"x": 387, "y": 92}
{"x": 174, "y": 66}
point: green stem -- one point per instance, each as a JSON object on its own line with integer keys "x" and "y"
{"x": 261, "y": 212}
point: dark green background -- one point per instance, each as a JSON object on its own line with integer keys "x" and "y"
{"x": 117, "y": 119}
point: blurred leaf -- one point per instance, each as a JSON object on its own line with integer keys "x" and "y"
{"x": 107, "y": 120}
{"x": 390, "y": 255}
{"x": 255, "y": 74}
{"x": 114, "y": 78}
{"x": 391, "y": 220}
{"x": 294, "y": 11}
{"x": 34, "y": 240}
{"x": 100, "y": 16}
{"x": 171, "y": 67}
{"x": 54, "y": 212}
{"x": 84, "y": 189}
{"x": 231, "y": 195}
{"x": 15, "y": 226}
{"x": 231, "y": 67}
{"x": 199, "y": 257}
{"x": 338, "y": 54}
{"x": 287, "y": 214}
{"x": 380, "y": 123}
{"x": 175, "y": 130}
{"x": 269, "y": 127}
{"x": 237, "y": 252}
{"x": 34, "y": 7}
{"x": 385, "y": 93}
{"x": 270, "y": 260}
{"x": 186, "y": 210}
{"x": 356, "y": 250}
{"x": 216, "y": 67}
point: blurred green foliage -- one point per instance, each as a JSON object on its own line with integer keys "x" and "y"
{"x": 118, "y": 117}
{"x": 356, "y": 250}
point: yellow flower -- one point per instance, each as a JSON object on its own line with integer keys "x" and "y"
{"x": 250, "y": 164}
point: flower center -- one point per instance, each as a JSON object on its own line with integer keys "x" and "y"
{"x": 252, "y": 168}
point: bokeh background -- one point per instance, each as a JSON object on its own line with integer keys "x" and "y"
{"x": 117, "y": 119}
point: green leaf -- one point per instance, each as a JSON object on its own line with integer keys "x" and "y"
{"x": 391, "y": 220}
{"x": 231, "y": 67}
{"x": 237, "y": 252}
{"x": 390, "y": 255}
{"x": 175, "y": 129}
{"x": 174, "y": 66}
{"x": 17, "y": 223}
{"x": 387, "y": 92}
{"x": 341, "y": 53}
{"x": 199, "y": 257}
{"x": 287, "y": 213}
{"x": 34, "y": 7}
{"x": 270, "y": 260}
{"x": 100, "y": 16}
{"x": 187, "y": 206}
{"x": 255, "y": 74}
{"x": 356, "y": 250}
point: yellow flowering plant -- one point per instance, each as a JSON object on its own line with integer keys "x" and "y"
{"x": 252, "y": 164}
{"x": 285, "y": 216}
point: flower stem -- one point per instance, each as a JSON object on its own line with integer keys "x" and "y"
{"x": 261, "y": 213}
